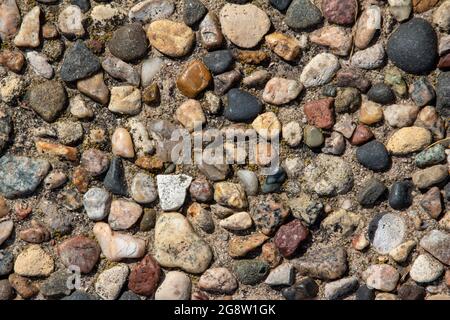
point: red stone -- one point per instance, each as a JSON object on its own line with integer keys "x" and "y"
{"x": 289, "y": 236}
{"x": 361, "y": 135}
{"x": 320, "y": 113}
{"x": 431, "y": 202}
{"x": 340, "y": 11}
{"x": 144, "y": 277}
{"x": 201, "y": 190}
{"x": 79, "y": 251}
{"x": 350, "y": 77}
{"x": 444, "y": 62}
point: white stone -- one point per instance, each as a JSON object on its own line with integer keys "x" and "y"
{"x": 320, "y": 70}
{"x": 281, "y": 275}
{"x": 149, "y": 10}
{"x": 400, "y": 9}
{"x": 28, "y": 35}
{"x": 237, "y": 221}
{"x": 176, "y": 286}
{"x": 39, "y": 64}
{"x": 97, "y": 203}
{"x": 150, "y": 68}
{"x": 172, "y": 190}
{"x": 70, "y": 21}
{"x": 426, "y": 269}
{"x": 370, "y": 58}
{"x": 110, "y": 282}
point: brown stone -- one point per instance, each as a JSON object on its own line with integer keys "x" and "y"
{"x": 144, "y": 277}
{"x": 36, "y": 234}
{"x": 151, "y": 94}
{"x": 420, "y": 6}
{"x": 59, "y": 150}
{"x": 432, "y": 203}
{"x": 80, "y": 179}
{"x": 152, "y": 163}
{"x": 240, "y": 246}
{"x": 361, "y": 135}
{"x": 79, "y": 251}
{"x": 350, "y": 77}
{"x": 95, "y": 161}
{"x": 444, "y": 62}
{"x": 210, "y": 32}
{"x": 24, "y": 287}
{"x": 201, "y": 190}
{"x": 4, "y": 209}
{"x": 283, "y": 45}
{"x": 22, "y": 210}
{"x": 13, "y": 60}
{"x": 340, "y": 11}
{"x": 320, "y": 113}
{"x": 250, "y": 57}
{"x": 95, "y": 88}
{"x": 269, "y": 213}
{"x": 270, "y": 254}
{"x": 289, "y": 236}
{"x": 49, "y": 31}
{"x": 194, "y": 79}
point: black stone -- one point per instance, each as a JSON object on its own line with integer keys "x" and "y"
{"x": 400, "y": 195}
{"x": 373, "y": 155}
{"x": 443, "y": 94}
{"x": 411, "y": 292}
{"x": 242, "y": 106}
{"x": 274, "y": 182}
{"x": 6, "y": 262}
{"x": 79, "y": 63}
{"x": 381, "y": 93}
{"x": 280, "y": 5}
{"x": 129, "y": 42}
{"x": 305, "y": 289}
{"x": 115, "y": 178}
{"x": 371, "y": 192}
{"x": 80, "y": 295}
{"x": 303, "y": 14}
{"x": 129, "y": 295}
{"x": 56, "y": 285}
{"x": 84, "y": 5}
{"x": 413, "y": 47}
{"x": 218, "y": 61}
{"x": 193, "y": 11}
{"x": 364, "y": 293}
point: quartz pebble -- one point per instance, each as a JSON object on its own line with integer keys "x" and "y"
{"x": 28, "y": 35}
{"x": 425, "y": 269}
{"x": 171, "y": 38}
{"x": 320, "y": 70}
{"x": 218, "y": 280}
{"x": 280, "y": 91}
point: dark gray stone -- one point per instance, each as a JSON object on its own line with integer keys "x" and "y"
{"x": 6, "y": 262}
{"x": 443, "y": 94}
{"x": 250, "y": 272}
{"x": 381, "y": 93}
{"x": 129, "y": 295}
{"x": 305, "y": 289}
{"x": 5, "y": 129}
{"x": 400, "y": 195}
{"x": 280, "y": 5}
{"x": 371, "y": 192}
{"x": 242, "y": 106}
{"x": 84, "y": 5}
{"x": 413, "y": 47}
{"x": 193, "y": 11}
{"x": 115, "y": 178}
{"x": 56, "y": 286}
{"x": 364, "y": 293}
{"x": 303, "y": 14}
{"x": 373, "y": 155}
{"x": 274, "y": 182}
{"x": 129, "y": 42}
{"x": 218, "y": 61}
{"x": 79, "y": 63}
{"x": 47, "y": 106}
{"x": 80, "y": 295}
{"x": 20, "y": 176}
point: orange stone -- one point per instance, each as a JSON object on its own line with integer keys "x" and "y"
{"x": 13, "y": 60}
{"x": 251, "y": 57}
{"x": 423, "y": 5}
{"x": 152, "y": 163}
{"x": 194, "y": 79}
{"x": 80, "y": 179}
{"x": 59, "y": 150}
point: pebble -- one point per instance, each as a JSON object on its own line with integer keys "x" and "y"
{"x": 422, "y": 92}
{"x": 280, "y": 91}
{"x": 431, "y": 203}
{"x": 305, "y": 289}
{"x": 340, "y": 288}
{"x": 370, "y": 113}
{"x": 347, "y": 100}
{"x": 37, "y": 233}
{"x": 230, "y": 194}
{"x": 218, "y": 61}
{"x": 413, "y": 47}
{"x": 193, "y": 11}
{"x": 250, "y": 272}
{"x": 150, "y": 68}
{"x": 129, "y": 42}
{"x": 237, "y": 222}
{"x": 110, "y": 282}
{"x": 148, "y": 220}
{"x": 400, "y": 115}
{"x": 6, "y": 228}
{"x": 269, "y": 213}
{"x": 334, "y": 145}
{"x": 97, "y": 203}
{"x": 12, "y": 60}
{"x": 174, "y": 39}
{"x": 280, "y": 5}
{"x": 225, "y": 81}
{"x": 329, "y": 176}
{"x": 194, "y": 78}
{"x": 281, "y": 275}
{"x": 352, "y": 77}
{"x": 274, "y": 180}
{"x": 442, "y": 95}
{"x": 408, "y": 140}
{"x": 210, "y": 33}
{"x": 125, "y": 100}
{"x": 200, "y": 217}
{"x": 94, "y": 161}
{"x": 289, "y": 237}
{"x": 143, "y": 188}
{"x": 56, "y": 285}
{"x": 381, "y": 93}
{"x": 79, "y": 63}
{"x": 370, "y": 58}
{"x": 218, "y": 280}
{"x": 20, "y": 175}
{"x": 23, "y": 286}
{"x": 368, "y": 24}
{"x": 342, "y": 221}
{"x": 172, "y": 190}
{"x": 340, "y": 11}
{"x": 400, "y": 9}
{"x": 241, "y": 106}
{"x": 34, "y": 262}
{"x": 371, "y": 191}
{"x": 401, "y": 252}
{"x": 28, "y": 35}
{"x": 381, "y": 277}
{"x": 5, "y": 290}
{"x": 6, "y": 262}
{"x": 400, "y": 195}
{"x": 201, "y": 190}
{"x": 440, "y": 16}
{"x": 118, "y": 69}
{"x": 251, "y": 56}
{"x": 118, "y": 246}
{"x": 319, "y": 113}
{"x": 57, "y": 150}
{"x": 411, "y": 292}
{"x": 144, "y": 277}
{"x": 177, "y": 245}
{"x": 151, "y": 94}
{"x": 428, "y": 177}
{"x": 306, "y": 208}
{"x": 123, "y": 214}
{"x": 190, "y": 115}
{"x": 95, "y": 88}
{"x": 48, "y": 107}
{"x": 149, "y": 10}
{"x": 336, "y": 38}
{"x": 80, "y": 295}
{"x": 285, "y": 46}
{"x": 176, "y": 286}
{"x": 79, "y": 251}
{"x": 302, "y": 14}
{"x": 38, "y": 62}
{"x": 122, "y": 144}
{"x": 267, "y": 125}
{"x": 216, "y": 172}
{"x": 244, "y": 25}
{"x": 329, "y": 263}
{"x": 386, "y": 232}
{"x": 425, "y": 269}
{"x": 10, "y": 19}
{"x": 437, "y": 243}
{"x": 364, "y": 293}
{"x": 292, "y": 133}
{"x": 319, "y": 70}
{"x": 70, "y": 22}
{"x": 373, "y": 155}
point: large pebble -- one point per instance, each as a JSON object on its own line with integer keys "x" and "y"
{"x": 218, "y": 280}
{"x": 408, "y": 140}
{"x": 328, "y": 263}
{"x": 34, "y": 262}
{"x": 176, "y": 286}
{"x": 280, "y": 91}
{"x": 129, "y": 42}
{"x": 172, "y": 190}
{"x": 97, "y": 203}
{"x": 438, "y": 244}
{"x": 124, "y": 214}
{"x": 302, "y": 14}
{"x": 174, "y": 39}
{"x": 79, "y": 251}
{"x": 118, "y": 69}
{"x": 320, "y": 70}
{"x": 386, "y": 232}
{"x": 148, "y": 10}
{"x": 28, "y": 35}
{"x": 381, "y": 277}
{"x": 425, "y": 269}
{"x": 368, "y": 24}
{"x": 144, "y": 277}
{"x": 79, "y": 63}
